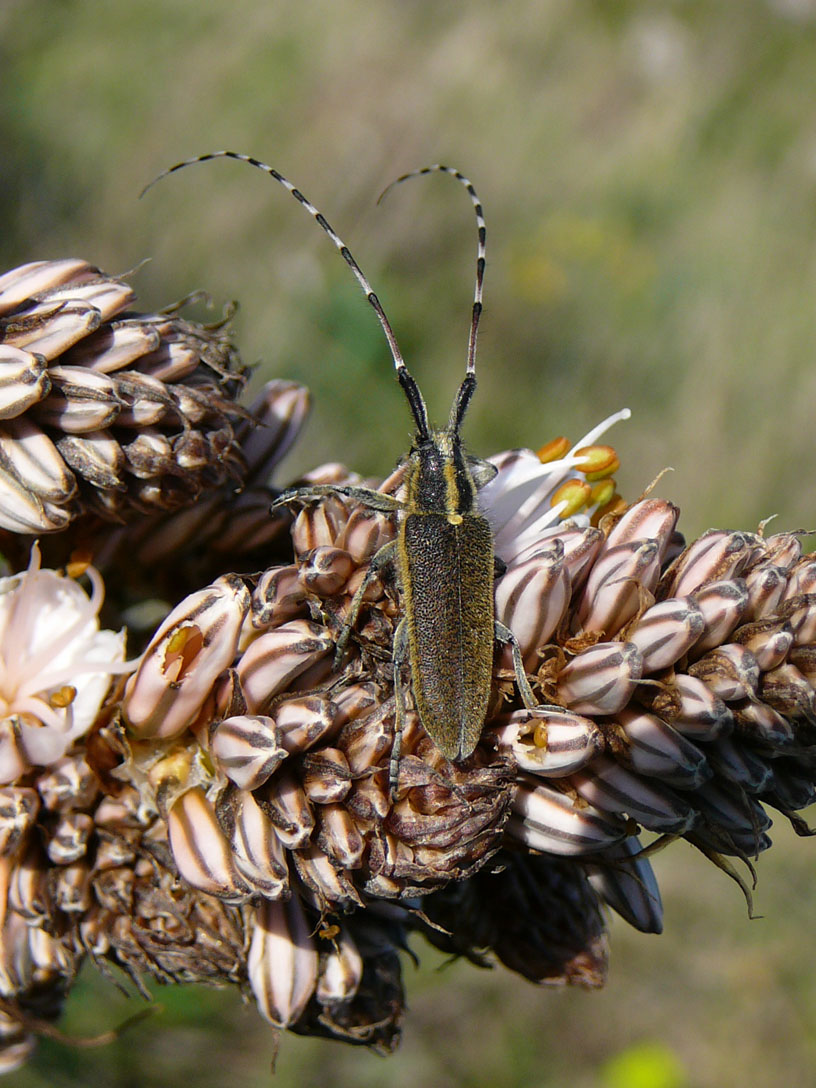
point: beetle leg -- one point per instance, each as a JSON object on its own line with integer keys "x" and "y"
{"x": 365, "y": 496}
{"x": 380, "y": 559}
{"x": 506, "y": 637}
{"x": 400, "y": 657}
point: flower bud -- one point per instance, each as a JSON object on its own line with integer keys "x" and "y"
{"x": 737, "y": 763}
{"x": 326, "y": 776}
{"x": 331, "y": 887}
{"x": 23, "y": 380}
{"x": 258, "y": 852}
{"x": 691, "y": 708}
{"x": 196, "y": 642}
{"x": 276, "y": 658}
{"x": 546, "y": 742}
{"x": 629, "y": 886}
{"x": 284, "y": 802}
{"x": 722, "y": 605}
{"x": 341, "y": 970}
{"x": 766, "y": 588}
{"x": 716, "y": 555}
{"x": 768, "y": 640}
{"x": 601, "y": 679}
{"x": 200, "y": 849}
{"x": 532, "y": 597}
{"x": 730, "y": 672}
{"x": 304, "y": 721}
{"x": 649, "y": 519}
{"x": 666, "y": 631}
{"x": 654, "y": 748}
{"x": 613, "y": 789}
{"x": 614, "y": 588}
{"x": 283, "y": 961}
{"x": 556, "y": 823}
{"x": 247, "y": 748}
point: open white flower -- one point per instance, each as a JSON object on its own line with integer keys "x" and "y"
{"x": 55, "y": 664}
{"x": 533, "y": 494}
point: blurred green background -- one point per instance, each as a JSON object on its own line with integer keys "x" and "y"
{"x": 648, "y": 171}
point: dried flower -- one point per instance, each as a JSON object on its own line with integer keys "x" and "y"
{"x": 105, "y": 410}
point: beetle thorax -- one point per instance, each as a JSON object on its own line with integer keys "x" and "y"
{"x": 438, "y": 479}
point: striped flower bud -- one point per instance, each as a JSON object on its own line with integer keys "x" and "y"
{"x": 200, "y": 849}
{"x": 559, "y": 823}
{"x": 649, "y": 519}
{"x": 650, "y": 746}
{"x": 615, "y": 587}
{"x": 247, "y": 748}
{"x": 532, "y": 597}
{"x": 731, "y": 672}
{"x": 612, "y": 788}
{"x": 257, "y": 850}
{"x": 283, "y": 961}
{"x": 628, "y": 885}
{"x": 601, "y": 679}
{"x": 190, "y": 650}
{"x": 716, "y": 555}
{"x": 692, "y": 708}
{"x": 666, "y": 631}
{"x": 275, "y": 659}
{"x": 722, "y": 605}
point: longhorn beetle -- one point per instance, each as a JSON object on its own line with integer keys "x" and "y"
{"x": 443, "y": 551}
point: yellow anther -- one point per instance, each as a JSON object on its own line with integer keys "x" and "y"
{"x": 575, "y": 494}
{"x": 328, "y": 933}
{"x": 182, "y": 648}
{"x": 540, "y": 735}
{"x": 596, "y": 462}
{"x": 62, "y": 698}
{"x": 455, "y": 519}
{"x": 553, "y": 450}
{"x": 603, "y": 492}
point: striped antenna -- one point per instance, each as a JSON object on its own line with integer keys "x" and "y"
{"x": 480, "y": 251}
{"x": 406, "y": 380}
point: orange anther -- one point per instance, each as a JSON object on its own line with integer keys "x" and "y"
{"x": 596, "y": 462}
{"x": 78, "y": 563}
{"x": 62, "y": 698}
{"x": 553, "y": 450}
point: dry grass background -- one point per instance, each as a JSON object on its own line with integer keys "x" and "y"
{"x": 648, "y": 170}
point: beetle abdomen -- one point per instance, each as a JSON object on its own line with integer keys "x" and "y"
{"x": 446, "y": 572}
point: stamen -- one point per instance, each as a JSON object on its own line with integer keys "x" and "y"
{"x": 596, "y": 462}
{"x": 554, "y": 450}
{"x": 39, "y": 709}
{"x": 571, "y": 497}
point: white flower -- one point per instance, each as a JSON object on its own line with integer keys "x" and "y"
{"x": 55, "y": 664}
{"x": 523, "y": 502}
